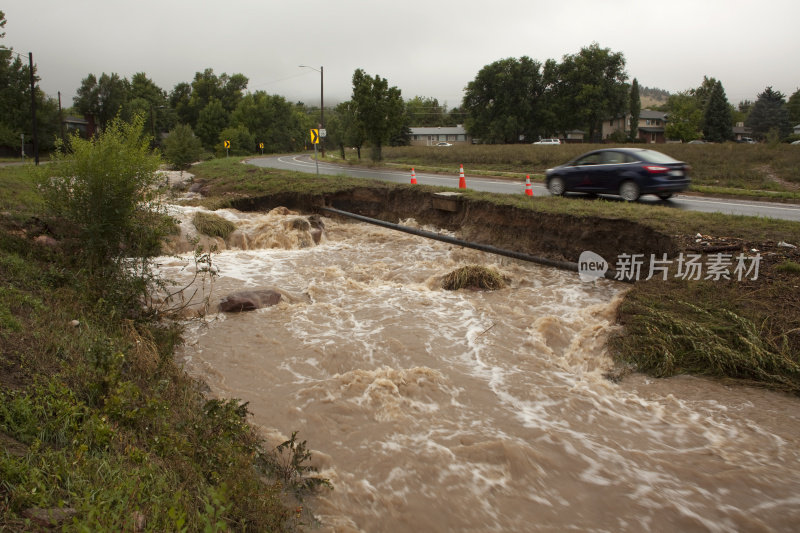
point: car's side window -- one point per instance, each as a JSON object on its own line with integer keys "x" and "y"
{"x": 591, "y": 159}
{"x": 613, "y": 158}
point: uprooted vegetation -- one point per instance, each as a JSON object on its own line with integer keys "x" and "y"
{"x": 473, "y": 277}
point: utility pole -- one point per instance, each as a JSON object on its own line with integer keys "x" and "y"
{"x": 322, "y": 110}
{"x": 33, "y": 111}
{"x": 60, "y": 116}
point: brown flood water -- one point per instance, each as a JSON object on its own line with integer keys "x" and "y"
{"x": 432, "y": 410}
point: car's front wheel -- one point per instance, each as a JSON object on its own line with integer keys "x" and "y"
{"x": 629, "y": 191}
{"x": 556, "y": 186}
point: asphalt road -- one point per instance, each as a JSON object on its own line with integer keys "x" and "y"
{"x": 305, "y": 163}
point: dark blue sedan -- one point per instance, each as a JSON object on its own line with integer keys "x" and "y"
{"x": 628, "y": 172}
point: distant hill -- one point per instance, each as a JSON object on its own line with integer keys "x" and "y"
{"x": 653, "y": 97}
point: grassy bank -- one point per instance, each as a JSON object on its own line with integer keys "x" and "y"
{"x": 740, "y": 168}
{"x": 100, "y": 429}
{"x": 747, "y": 331}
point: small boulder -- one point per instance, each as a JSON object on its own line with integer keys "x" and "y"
{"x": 249, "y": 300}
{"x": 46, "y": 241}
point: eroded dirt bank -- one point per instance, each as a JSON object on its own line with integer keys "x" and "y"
{"x": 558, "y": 237}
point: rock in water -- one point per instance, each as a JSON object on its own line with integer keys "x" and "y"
{"x": 249, "y": 300}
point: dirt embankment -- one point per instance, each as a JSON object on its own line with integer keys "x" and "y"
{"x": 559, "y": 237}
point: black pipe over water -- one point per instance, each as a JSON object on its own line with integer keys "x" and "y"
{"x": 563, "y": 265}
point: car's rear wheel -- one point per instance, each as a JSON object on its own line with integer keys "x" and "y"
{"x": 664, "y": 195}
{"x": 556, "y": 186}
{"x": 629, "y": 191}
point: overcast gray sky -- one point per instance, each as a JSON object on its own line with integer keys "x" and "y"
{"x": 429, "y": 48}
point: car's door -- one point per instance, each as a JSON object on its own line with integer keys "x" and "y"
{"x": 611, "y": 170}
{"x": 583, "y": 173}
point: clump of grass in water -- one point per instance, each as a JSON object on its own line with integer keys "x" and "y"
{"x": 473, "y": 277}
{"x": 213, "y": 225}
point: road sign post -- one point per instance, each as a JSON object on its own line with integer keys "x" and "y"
{"x": 227, "y": 145}
{"x": 261, "y": 145}
{"x": 315, "y": 142}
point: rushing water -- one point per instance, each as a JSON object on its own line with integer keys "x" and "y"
{"x": 432, "y": 410}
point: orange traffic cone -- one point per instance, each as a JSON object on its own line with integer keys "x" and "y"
{"x": 528, "y": 187}
{"x": 413, "y": 177}
{"x": 462, "y": 182}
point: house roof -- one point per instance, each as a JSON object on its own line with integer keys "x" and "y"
{"x": 649, "y": 113}
{"x": 456, "y": 130}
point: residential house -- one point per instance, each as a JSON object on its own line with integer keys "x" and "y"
{"x": 650, "y": 128}
{"x": 740, "y": 131}
{"x": 432, "y": 135}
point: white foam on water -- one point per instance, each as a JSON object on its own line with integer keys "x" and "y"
{"x": 493, "y": 402}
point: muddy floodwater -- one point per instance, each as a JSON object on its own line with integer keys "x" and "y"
{"x": 433, "y": 410}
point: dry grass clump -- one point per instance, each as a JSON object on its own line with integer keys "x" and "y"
{"x": 213, "y": 225}
{"x": 473, "y": 277}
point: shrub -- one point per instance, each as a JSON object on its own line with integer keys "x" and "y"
{"x": 181, "y": 147}
{"x": 103, "y": 190}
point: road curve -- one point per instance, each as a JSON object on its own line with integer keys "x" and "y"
{"x": 304, "y": 163}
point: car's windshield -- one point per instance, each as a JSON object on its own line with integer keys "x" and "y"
{"x": 657, "y": 157}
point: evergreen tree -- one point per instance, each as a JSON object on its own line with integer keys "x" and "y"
{"x": 769, "y": 113}
{"x": 793, "y": 105}
{"x": 635, "y": 109}
{"x": 717, "y": 120}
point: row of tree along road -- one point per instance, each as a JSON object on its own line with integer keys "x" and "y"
{"x": 510, "y": 101}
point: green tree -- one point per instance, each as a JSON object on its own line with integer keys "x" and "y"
{"x": 344, "y": 130}
{"x": 590, "y": 87}
{"x": 271, "y": 119}
{"x": 206, "y": 87}
{"x": 379, "y": 110}
{"x": 426, "y": 112}
{"x": 212, "y": 120}
{"x": 504, "y": 102}
{"x": 182, "y": 147}
{"x": 148, "y": 98}
{"x": 717, "y": 119}
{"x": 243, "y": 142}
{"x": 685, "y": 117}
{"x": 104, "y": 98}
{"x": 15, "y": 102}
{"x": 180, "y": 102}
{"x": 103, "y": 188}
{"x": 635, "y": 109}
{"x": 793, "y": 106}
{"x": 769, "y": 113}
